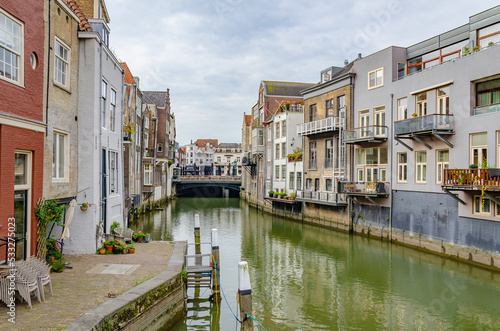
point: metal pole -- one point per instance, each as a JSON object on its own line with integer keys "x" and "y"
{"x": 215, "y": 267}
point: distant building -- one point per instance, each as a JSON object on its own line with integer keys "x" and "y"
{"x": 228, "y": 159}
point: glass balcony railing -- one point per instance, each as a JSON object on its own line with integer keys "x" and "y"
{"x": 487, "y": 109}
{"x": 434, "y": 122}
{"x": 365, "y": 133}
{"x": 322, "y": 197}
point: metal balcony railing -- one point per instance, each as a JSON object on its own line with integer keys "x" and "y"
{"x": 322, "y": 196}
{"x": 365, "y": 133}
{"x": 434, "y": 122}
{"x": 320, "y": 126}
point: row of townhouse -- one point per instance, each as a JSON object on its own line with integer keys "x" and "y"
{"x": 405, "y": 138}
{"x": 61, "y": 123}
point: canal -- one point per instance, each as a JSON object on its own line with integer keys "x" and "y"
{"x": 309, "y": 278}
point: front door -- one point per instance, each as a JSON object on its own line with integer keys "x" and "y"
{"x": 22, "y": 206}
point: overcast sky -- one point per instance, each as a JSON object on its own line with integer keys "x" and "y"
{"x": 212, "y": 54}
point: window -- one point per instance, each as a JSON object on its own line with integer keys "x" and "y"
{"x": 376, "y": 78}
{"x": 269, "y": 135}
{"x": 401, "y": 70}
{"x": 268, "y": 171}
{"x": 380, "y": 130}
{"x": 402, "y": 109}
{"x": 146, "y": 125}
{"x": 104, "y": 91}
{"x": 277, "y": 173}
{"x": 11, "y": 48}
{"x": 308, "y": 183}
{"x": 59, "y": 156}
{"x": 299, "y": 181}
{"x": 487, "y": 97}
{"x": 283, "y": 173}
{"x": 402, "y": 167}
{"x": 360, "y": 175}
{"x": 218, "y": 159}
{"x": 148, "y": 174}
{"x": 364, "y": 119}
{"x": 283, "y": 128}
{"x": 313, "y": 113}
{"x": 260, "y": 140}
{"x": 479, "y": 149}
{"x": 112, "y": 109}
{"x": 443, "y": 100}
{"x": 328, "y": 184}
{"x": 421, "y": 108}
{"x": 160, "y": 148}
{"x": 146, "y": 143}
{"x": 443, "y": 162}
{"x": 277, "y": 153}
{"x": 329, "y": 154}
{"x": 291, "y": 181}
{"x": 329, "y": 108}
{"x": 313, "y": 154}
{"x": 488, "y": 34}
{"x": 268, "y": 153}
{"x": 61, "y": 63}
{"x": 283, "y": 150}
{"x": 421, "y": 167}
{"x": 113, "y": 172}
{"x": 277, "y": 130}
{"x": 482, "y": 205}
{"x": 340, "y": 103}
{"x": 370, "y": 159}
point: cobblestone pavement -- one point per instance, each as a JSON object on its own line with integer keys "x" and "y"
{"x": 77, "y": 291}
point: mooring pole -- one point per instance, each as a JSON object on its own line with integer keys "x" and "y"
{"x": 215, "y": 267}
{"x": 245, "y": 296}
{"x": 197, "y": 246}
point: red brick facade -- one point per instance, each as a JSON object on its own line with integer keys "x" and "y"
{"x": 20, "y": 103}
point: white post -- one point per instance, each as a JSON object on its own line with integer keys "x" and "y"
{"x": 245, "y": 296}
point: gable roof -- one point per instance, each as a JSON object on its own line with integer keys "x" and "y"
{"x": 129, "y": 78}
{"x": 84, "y": 24}
{"x": 156, "y": 97}
{"x": 229, "y": 145}
{"x": 284, "y": 88}
{"x": 201, "y": 143}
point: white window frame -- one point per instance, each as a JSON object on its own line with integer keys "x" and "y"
{"x": 113, "y": 172}
{"x": 260, "y": 137}
{"x": 269, "y": 133}
{"x": 146, "y": 143}
{"x": 64, "y": 69}
{"x": 104, "y": 95}
{"x": 481, "y": 207}
{"x": 379, "y": 121}
{"x": 480, "y": 149}
{"x": 376, "y": 71}
{"x": 440, "y": 165}
{"x": 277, "y": 130}
{"x": 283, "y": 150}
{"x": 277, "y": 151}
{"x": 402, "y": 169}
{"x": 56, "y": 156}
{"x": 18, "y": 53}
{"x": 276, "y": 173}
{"x": 283, "y": 128}
{"x": 283, "y": 172}
{"x": 403, "y": 109}
{"x": 146, "y": 122}
{"x": 112, "y": 110}
{"x": 148, "y": 174}
{"x": 420, "y": 168}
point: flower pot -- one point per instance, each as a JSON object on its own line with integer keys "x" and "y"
{"x": 140, "y": 239}
{"x": 125, "y": 251}
{"x": 147, "y": 238}
{"x": 108, "y": 248}
{"x": 117, "y": 250}
{"x": 103, "y": 250}
{"x": 84, "y": 208}
{"x": 131, "y": 250}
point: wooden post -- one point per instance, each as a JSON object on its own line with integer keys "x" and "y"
{"x": 215, "y": 266}
{"x": 245, "y": 296}
{"x": 197, "y": 246}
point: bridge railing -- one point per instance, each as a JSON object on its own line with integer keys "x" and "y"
{"x": 208, "y": 178}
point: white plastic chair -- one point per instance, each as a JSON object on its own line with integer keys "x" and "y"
{"x": 26, "y": 282}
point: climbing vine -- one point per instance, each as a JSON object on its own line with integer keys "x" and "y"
{"x": 46, "y": 212}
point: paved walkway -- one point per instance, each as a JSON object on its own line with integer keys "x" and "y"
{"x": 82, "y": 288}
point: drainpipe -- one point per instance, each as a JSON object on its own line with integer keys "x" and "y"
{"x": 120, "y": 152}
{"x": 100, "y": 132}
{"x": 351, "y": 155}
{"x": 155, "y": 119}
{"x": 392, "y": 157}
{"x": 48, "y": 78}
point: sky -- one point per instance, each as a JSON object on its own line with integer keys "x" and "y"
{"x": 213, "y": 54}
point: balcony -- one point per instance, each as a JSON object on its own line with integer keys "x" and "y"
{"x": 426, "y": 123}
{"x": 487, "y": 109}
{"x": 328, "y": 124}
{"x": 374, "y": 189}
{"x": 371, "y": 133}
{"x": 100, "y": 26}
{"x": 471, "y": 179}
{"x": 322, "y": 198}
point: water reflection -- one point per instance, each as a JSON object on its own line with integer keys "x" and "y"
{"x": 310, "y": 278}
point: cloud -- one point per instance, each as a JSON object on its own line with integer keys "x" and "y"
{"x": 213, "y": 54}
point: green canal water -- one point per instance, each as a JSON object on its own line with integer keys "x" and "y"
{"x": 309, "y": 278}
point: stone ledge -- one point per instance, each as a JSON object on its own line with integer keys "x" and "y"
{"x": 136, "y": 302}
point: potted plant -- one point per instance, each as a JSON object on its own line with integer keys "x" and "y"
{"x": 114, "y": 226}
{"x": 476, "y": 49}
{"x": 414, "y": 115}
{"x": 84, "y": 206}
{"x": 139, "y": 236}
{"x": 292, "y": 197}
{"x": 473, "y": 166}
{"x": 271, "y": 193}
{"x": 147, "y": 237}
{"x": 108, "y": 245}
{"x": 102, "y": 250}
{"x": 131, "y": 249}
{"x": 124, "y": 249}
{"x": 117, "y": 249}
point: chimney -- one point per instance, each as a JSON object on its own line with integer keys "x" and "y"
{"x": 359, "y": 56}
{"x": 136, "y": 80}
{"x": 346, "y": 62}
